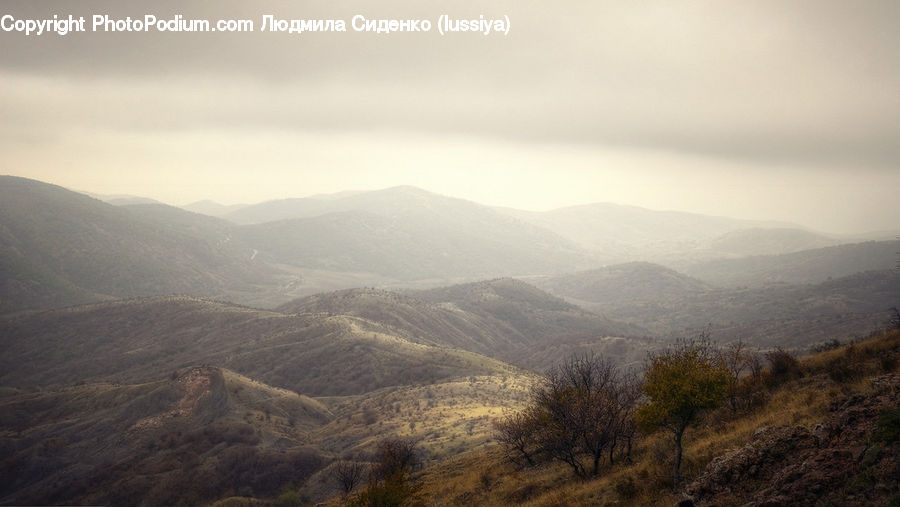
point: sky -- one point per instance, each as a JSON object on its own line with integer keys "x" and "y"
{"x": 782, "y": 109}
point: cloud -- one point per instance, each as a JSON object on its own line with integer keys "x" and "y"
{"x": 770, "y": 86}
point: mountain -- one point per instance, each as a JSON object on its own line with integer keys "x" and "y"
{"x": 626, "y": 283}
{"x": 136, "y": 340}
{"x": 212, "y": 208}
{"x": 760, "y": 241}
{"x": 627, "y": 233}
{"x": 411, "y": 318}
{"x": 121, "y": 199}
{"x": 390, "y": 202}
{"x": 504, "y": 318}
{"x": 825, "y": 433}
{"x": 206, "y": 433}
{"x": 808, "y": 266}
{"x": 537, "y": 329}
{"x": 406, "y": 234}
{"x": 669, "y": 303}
{"x": 59, "y": 247}
{"x": 188, "y": 439}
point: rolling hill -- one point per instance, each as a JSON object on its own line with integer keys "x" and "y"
{"x": 197, "y": 436}
{"x": 669, "y": 303}
{"x": 404, "y": 233}
{"x": 59, "y": 247}
{"x": 137, "y": 340}
{"x": 541, "y": 329}
{"x": 212, "y": 208}
{"x": 504, "y": 318}
{"x": 807, "y": 266}
{"x": 630, "y": 233}
{"x": 773, "y": 241}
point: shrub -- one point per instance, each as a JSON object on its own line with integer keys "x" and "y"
{"x": 782, "y": 363}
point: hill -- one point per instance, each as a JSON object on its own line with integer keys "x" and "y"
{"x": 808, "y": 266}
{"x": 825, "y": 433}
{"x": 200, "y": 435}
{"x": 629, "y": 233}
{"x": 504, "y": 318}
{"x": 406, "y": 234}
{"x": 212, "y": 208}
{"x": 774, "y": 241}
{"x": 671, "y": 304}
{"x": 540, "y": 329}
{"x": 58, "y": 247}
{"x": 138, "y": 340}
{"x": 207, "y": 433}
{"x": 627, "y": 283}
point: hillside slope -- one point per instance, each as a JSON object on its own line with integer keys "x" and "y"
{"x": 668, "y": 303}
{"x": 192, "y": 438}
{"x": 768, "y": 241}
{"x": 504, "y": 318}
{"x": 628, "y": 233}
{"x": 59, "y": 247}
{"x": 826, "y": 433}
{"x": 137, "y": 340}
{"x": 541, "y": 329}
{"x": 808, "y": 266}
{"x": 404, "y": 233}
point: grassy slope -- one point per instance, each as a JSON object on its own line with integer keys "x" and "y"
{"x": 484, "y": 478}
{"x": 185, "y": 439}
{"x": 505, "y": 318}
{"x": 60, "y": 247}
{"x": 138, "y": 340}
{"x": 667, "y": 302}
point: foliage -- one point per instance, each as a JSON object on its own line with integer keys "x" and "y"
{"x": 389, "y": 484}
{"x": 680, "y": 383}
{"x": 782, "y": 363}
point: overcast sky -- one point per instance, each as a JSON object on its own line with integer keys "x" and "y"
{"x": 777, "y": 109}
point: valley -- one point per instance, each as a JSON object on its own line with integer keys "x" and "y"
{"x": 156, "y": 352}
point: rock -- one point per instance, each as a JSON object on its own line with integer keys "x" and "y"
{"x": 797, "y": 466}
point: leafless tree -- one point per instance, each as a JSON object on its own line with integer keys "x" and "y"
{"x": 737, "y": 360}
{"x": 395, "y": 456}
{"x": 582, "y": 411}
{"x": 348, "y": 475}
{"x": 518, "y": 434}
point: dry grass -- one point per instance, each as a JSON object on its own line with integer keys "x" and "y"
{"x": 445, "y": 419}
{"x": 484, "y": 478}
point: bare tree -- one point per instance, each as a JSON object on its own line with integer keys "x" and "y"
{"x": 348, "y": 475}
{"x": 737, "y": 360}
{"x": 518, "y": 433}
{"x": 395, "y": 456}
{"x": 581, "y": 410}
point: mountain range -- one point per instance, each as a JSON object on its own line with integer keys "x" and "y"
{"x": 59, "y": 247}
{"x": 149, "y": 350}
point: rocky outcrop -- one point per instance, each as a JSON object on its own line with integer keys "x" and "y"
{"x": 842, "y": 461}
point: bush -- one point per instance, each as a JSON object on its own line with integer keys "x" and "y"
{"x": 782, "y": 363}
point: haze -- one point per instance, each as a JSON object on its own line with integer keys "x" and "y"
{"x": 765, "y": 110}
